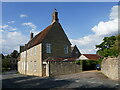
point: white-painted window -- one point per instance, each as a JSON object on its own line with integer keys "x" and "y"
{"x": 31, "y": 65}
{"x": 35, "y": 50}
{"x": 31, "y": 52}
{"x": 22, "y": 66}
{"x": 27, "y": 65}
{"x": 66, "y": 49}
{"x": 24, "y": 53}
{"x": 48, "y": 48}
{"x": 35, "y": 65}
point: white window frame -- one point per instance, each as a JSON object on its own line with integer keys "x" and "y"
{"x": 35, "y": 66}
{"x": 48, "y": 48}
{"x": 30, "y": 51}
{"x": 66, "y": 49}
{"x": 35, "y": 50}
{"x": 24, "y": 53}
{"x": 22, "y": 65}
{"x": 27, "y": 65}
{"x": 31, "y": 66}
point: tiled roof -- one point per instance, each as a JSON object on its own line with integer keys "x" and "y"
{"x": 39, "y": 37}
{"x": 92, "y": 56}
{"x": 60, "y": 59}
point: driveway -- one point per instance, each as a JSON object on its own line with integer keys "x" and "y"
{"x": 88, "y": 79}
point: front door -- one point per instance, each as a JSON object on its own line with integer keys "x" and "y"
{"x": 44, "y": 70}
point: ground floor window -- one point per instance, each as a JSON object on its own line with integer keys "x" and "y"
{"x": 27, "y": 65}
{"x": 31, "y": 65}
{"x": 35, "y": 64}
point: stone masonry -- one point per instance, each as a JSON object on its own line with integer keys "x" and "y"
{"x": 110, "y": 67}
{"x": 62, "y": 68}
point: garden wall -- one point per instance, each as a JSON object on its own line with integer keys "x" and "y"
{"x": 110, "y": 67}
{"x": 62, "y": 68}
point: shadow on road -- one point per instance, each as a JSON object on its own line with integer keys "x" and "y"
{"x": 33, "y": 82}
{"x": 77, "y": 81}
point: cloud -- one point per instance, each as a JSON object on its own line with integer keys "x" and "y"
{"x": 11, "y": 38}
{"x": 114, "y": 12}
{"x": 11, "y": 22}
{"x": 87, "y": 43}
{"x": 8, "y": 28}
{"x": 106, "y": 28}
{"x": 11, "y": 41}
{"x": 31, "y": 26}
{"x": 23, "y": 15}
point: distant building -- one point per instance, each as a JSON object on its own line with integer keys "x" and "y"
{"x": 45, "y": 46}
{"x": 89, "y": 57}
{"x": 13, "y": 63}
{"x": 75, "y": 52}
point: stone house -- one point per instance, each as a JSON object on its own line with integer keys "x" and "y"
{"x": 51, "y": 42}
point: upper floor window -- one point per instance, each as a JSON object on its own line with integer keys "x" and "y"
{"x": 35, "y": 50}
{"x": 66, "y": 49}
{"x": 30, "y": 51}
{"x": 48, "y": 48}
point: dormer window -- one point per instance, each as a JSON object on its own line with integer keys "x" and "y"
{"x": 48, "y": 48}
{"x": 66, "y": 49}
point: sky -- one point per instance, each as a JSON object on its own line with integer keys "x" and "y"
{"x": 85, "y": 23}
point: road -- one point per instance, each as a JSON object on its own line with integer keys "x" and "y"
{"x": 88, "y": 79}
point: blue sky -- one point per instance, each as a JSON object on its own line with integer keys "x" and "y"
{"x": 76, "y": 18}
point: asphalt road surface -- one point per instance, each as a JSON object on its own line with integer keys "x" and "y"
{"x": 88, "y": 79}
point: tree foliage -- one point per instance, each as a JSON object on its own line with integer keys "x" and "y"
{"x": 5, "y": 59}
{"x": 89, "y": 64}
{"x": 15, "y": 54}
{"x": 109, "y": 46}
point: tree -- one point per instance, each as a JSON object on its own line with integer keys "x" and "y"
{"x": 2, "y": 56}
{"x": 14, "y": 54}
{"x": 109, "y": 46}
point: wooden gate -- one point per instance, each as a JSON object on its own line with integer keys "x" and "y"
{"x": 44, "y": 70}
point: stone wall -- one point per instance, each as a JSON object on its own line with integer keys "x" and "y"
{"x": 62, "y": 68}
{"x": 110, "y": 67}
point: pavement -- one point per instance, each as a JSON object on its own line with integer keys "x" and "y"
{"x": 87, "y": 79}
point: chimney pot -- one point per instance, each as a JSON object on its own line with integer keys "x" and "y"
{"x": 31, "y": 35}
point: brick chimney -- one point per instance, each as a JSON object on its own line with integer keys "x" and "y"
{"x": 31, "y": 35}
{"x": 55, "y": 16}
